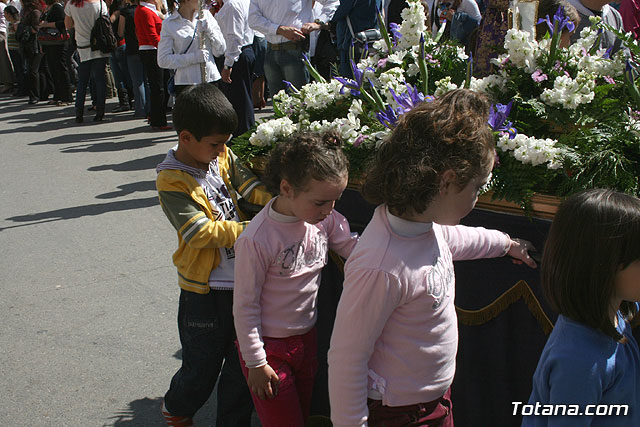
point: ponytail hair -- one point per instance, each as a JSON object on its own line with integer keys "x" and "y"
{"x": 306, "y": 156}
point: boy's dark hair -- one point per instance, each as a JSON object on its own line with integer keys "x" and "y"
{"x": 203, "y": 110}
{"x": 305, "y": 156}
{"x": 11, "y": 10}
{"x": 594, "y": 234}
{"x": 450, "y": 132}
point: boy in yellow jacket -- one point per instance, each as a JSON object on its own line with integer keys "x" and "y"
{"x": 199, "y": 184}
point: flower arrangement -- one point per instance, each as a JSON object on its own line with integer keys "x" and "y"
{"x": 564, "y": 118}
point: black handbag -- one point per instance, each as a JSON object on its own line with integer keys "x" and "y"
{"x": 52, "y": 36}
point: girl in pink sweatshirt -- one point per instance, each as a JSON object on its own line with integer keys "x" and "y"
{"x": 279, "y": 257}
{"x": 394, "y": 342}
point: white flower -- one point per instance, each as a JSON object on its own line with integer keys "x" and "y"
{"x": 272, "y": 131}
{"x": 491, "y": 81}
{"x": 532, "y": 151}
{"x": 569, "y": 93}
{"x": 413, "y": 24}
{"x": 522, "y": 51}
{"x": 444, "y": 85}
{"x": 397, "y": 57}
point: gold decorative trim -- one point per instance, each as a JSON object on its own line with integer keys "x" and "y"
{"x": 520, "y": 290}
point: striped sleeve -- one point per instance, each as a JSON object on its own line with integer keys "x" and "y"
{"x": 245, "y": 182}
{"x": 196, "y": 229}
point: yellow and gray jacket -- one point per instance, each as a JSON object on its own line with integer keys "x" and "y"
{"x": 186, "y": 205}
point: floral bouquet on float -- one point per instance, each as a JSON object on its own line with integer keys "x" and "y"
{"x": 565, "y": 119}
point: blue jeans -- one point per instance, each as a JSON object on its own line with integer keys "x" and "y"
{"x": 140, "y": 89}
{"x": 207, "y": 335}
{"x": 119, "y": 68}
{"x": 94, "y": 69}
{"x": 286, "y": 65}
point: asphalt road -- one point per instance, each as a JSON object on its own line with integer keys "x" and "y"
{"x": 88, "y": 293}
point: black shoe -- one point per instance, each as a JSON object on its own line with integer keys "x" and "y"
{"x": 99, "y": 114}
{"x": 79, "y": 119}
{"x": 33, "y": 101}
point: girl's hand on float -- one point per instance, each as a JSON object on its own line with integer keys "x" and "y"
{"x": 519, "y": 251}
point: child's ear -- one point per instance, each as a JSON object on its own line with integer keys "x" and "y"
{"x": 447, "y": 180}
{"x": 286, "y": 189}
{"x": 185, "y": 137}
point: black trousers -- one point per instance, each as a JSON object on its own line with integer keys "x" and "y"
{"x": 207, "y": 335}
{"x": 157, "y": 87}
{"x": 32, "y": 82}
{"x": 238, "y": 92}
{"x": 56, "y": 57}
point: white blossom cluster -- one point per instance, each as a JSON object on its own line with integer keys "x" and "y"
{"x": 317, "y": 95}
{"x": 272, "y": 131}
{"x": 393, "y": 78}
{"x": 444, "y": 85}
{"x": 413, "y": 24}
{"x": 286, "y": 103}
{"x": 570, "y": 93}
{"x": 483, "y": 85}
{"x": 529, "y": 150}
{"x": 521, "y": 50}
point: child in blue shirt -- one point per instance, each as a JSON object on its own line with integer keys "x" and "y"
{"x": 589, "y": 371}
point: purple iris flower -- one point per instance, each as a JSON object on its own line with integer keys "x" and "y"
{"x": 409, "y": 99}
{"x": 498, "y": 119}
{"x": 358, "y": 79}
{"x": 395, "y": 31}
{"x": 559, "y": 18}
{"x": 291, "y": 87}
{"x": 388, "y": 117}
{"x": 607, "y": 54}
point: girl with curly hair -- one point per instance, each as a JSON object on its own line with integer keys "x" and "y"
{"x": 393, "y": 348}
{"x": 279, "y": 257}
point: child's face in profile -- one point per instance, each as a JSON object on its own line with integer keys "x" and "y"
{"x": 314, "y": 203}
{"x": 200, "y": 153}
{"x": 628, "y": 283}
{"x": 454, "y": 203}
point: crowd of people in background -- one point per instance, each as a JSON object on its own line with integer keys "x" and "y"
{"x": 249, "y": 48}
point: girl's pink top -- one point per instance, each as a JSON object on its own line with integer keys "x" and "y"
{"x": 396, "y": 334}
{"x": 277, "y": 273}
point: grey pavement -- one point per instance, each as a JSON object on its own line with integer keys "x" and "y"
{"x": 88, "y": 292}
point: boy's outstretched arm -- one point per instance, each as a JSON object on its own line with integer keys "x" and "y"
{"x": 190, "y": 220}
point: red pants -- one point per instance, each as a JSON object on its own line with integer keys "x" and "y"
{"x": 295, "y": 361}
{"x": 437, "y": 413}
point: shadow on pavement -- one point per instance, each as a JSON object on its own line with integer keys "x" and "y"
{"x": 126, "y": 189}
{"x": 142, "y": 412}
{"x": 149, "y": 162}
{"x": 81, "y": 211}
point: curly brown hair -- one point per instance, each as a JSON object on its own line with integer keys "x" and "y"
{"x": 305, "y": 156}
{"x": 450, "y": 132}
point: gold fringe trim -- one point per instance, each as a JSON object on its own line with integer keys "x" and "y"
{"x": 520, "y": 290}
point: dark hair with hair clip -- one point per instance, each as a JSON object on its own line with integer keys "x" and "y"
{"x": 593, "y": 236}
{"x": 203, "y": 110}
{"x": 305, "y": 156}
{"x": 450, "y": 132}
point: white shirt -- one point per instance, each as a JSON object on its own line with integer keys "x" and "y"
{"x": 176, "y": 35}
{"x": 267, "y": 15}
{"x": 3, "y": 20}
{"x": 233, "y": 18}
{"x": 324, "y": 13}
{"x": 83, "y": 20}
{"x": 16, "y": 3}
